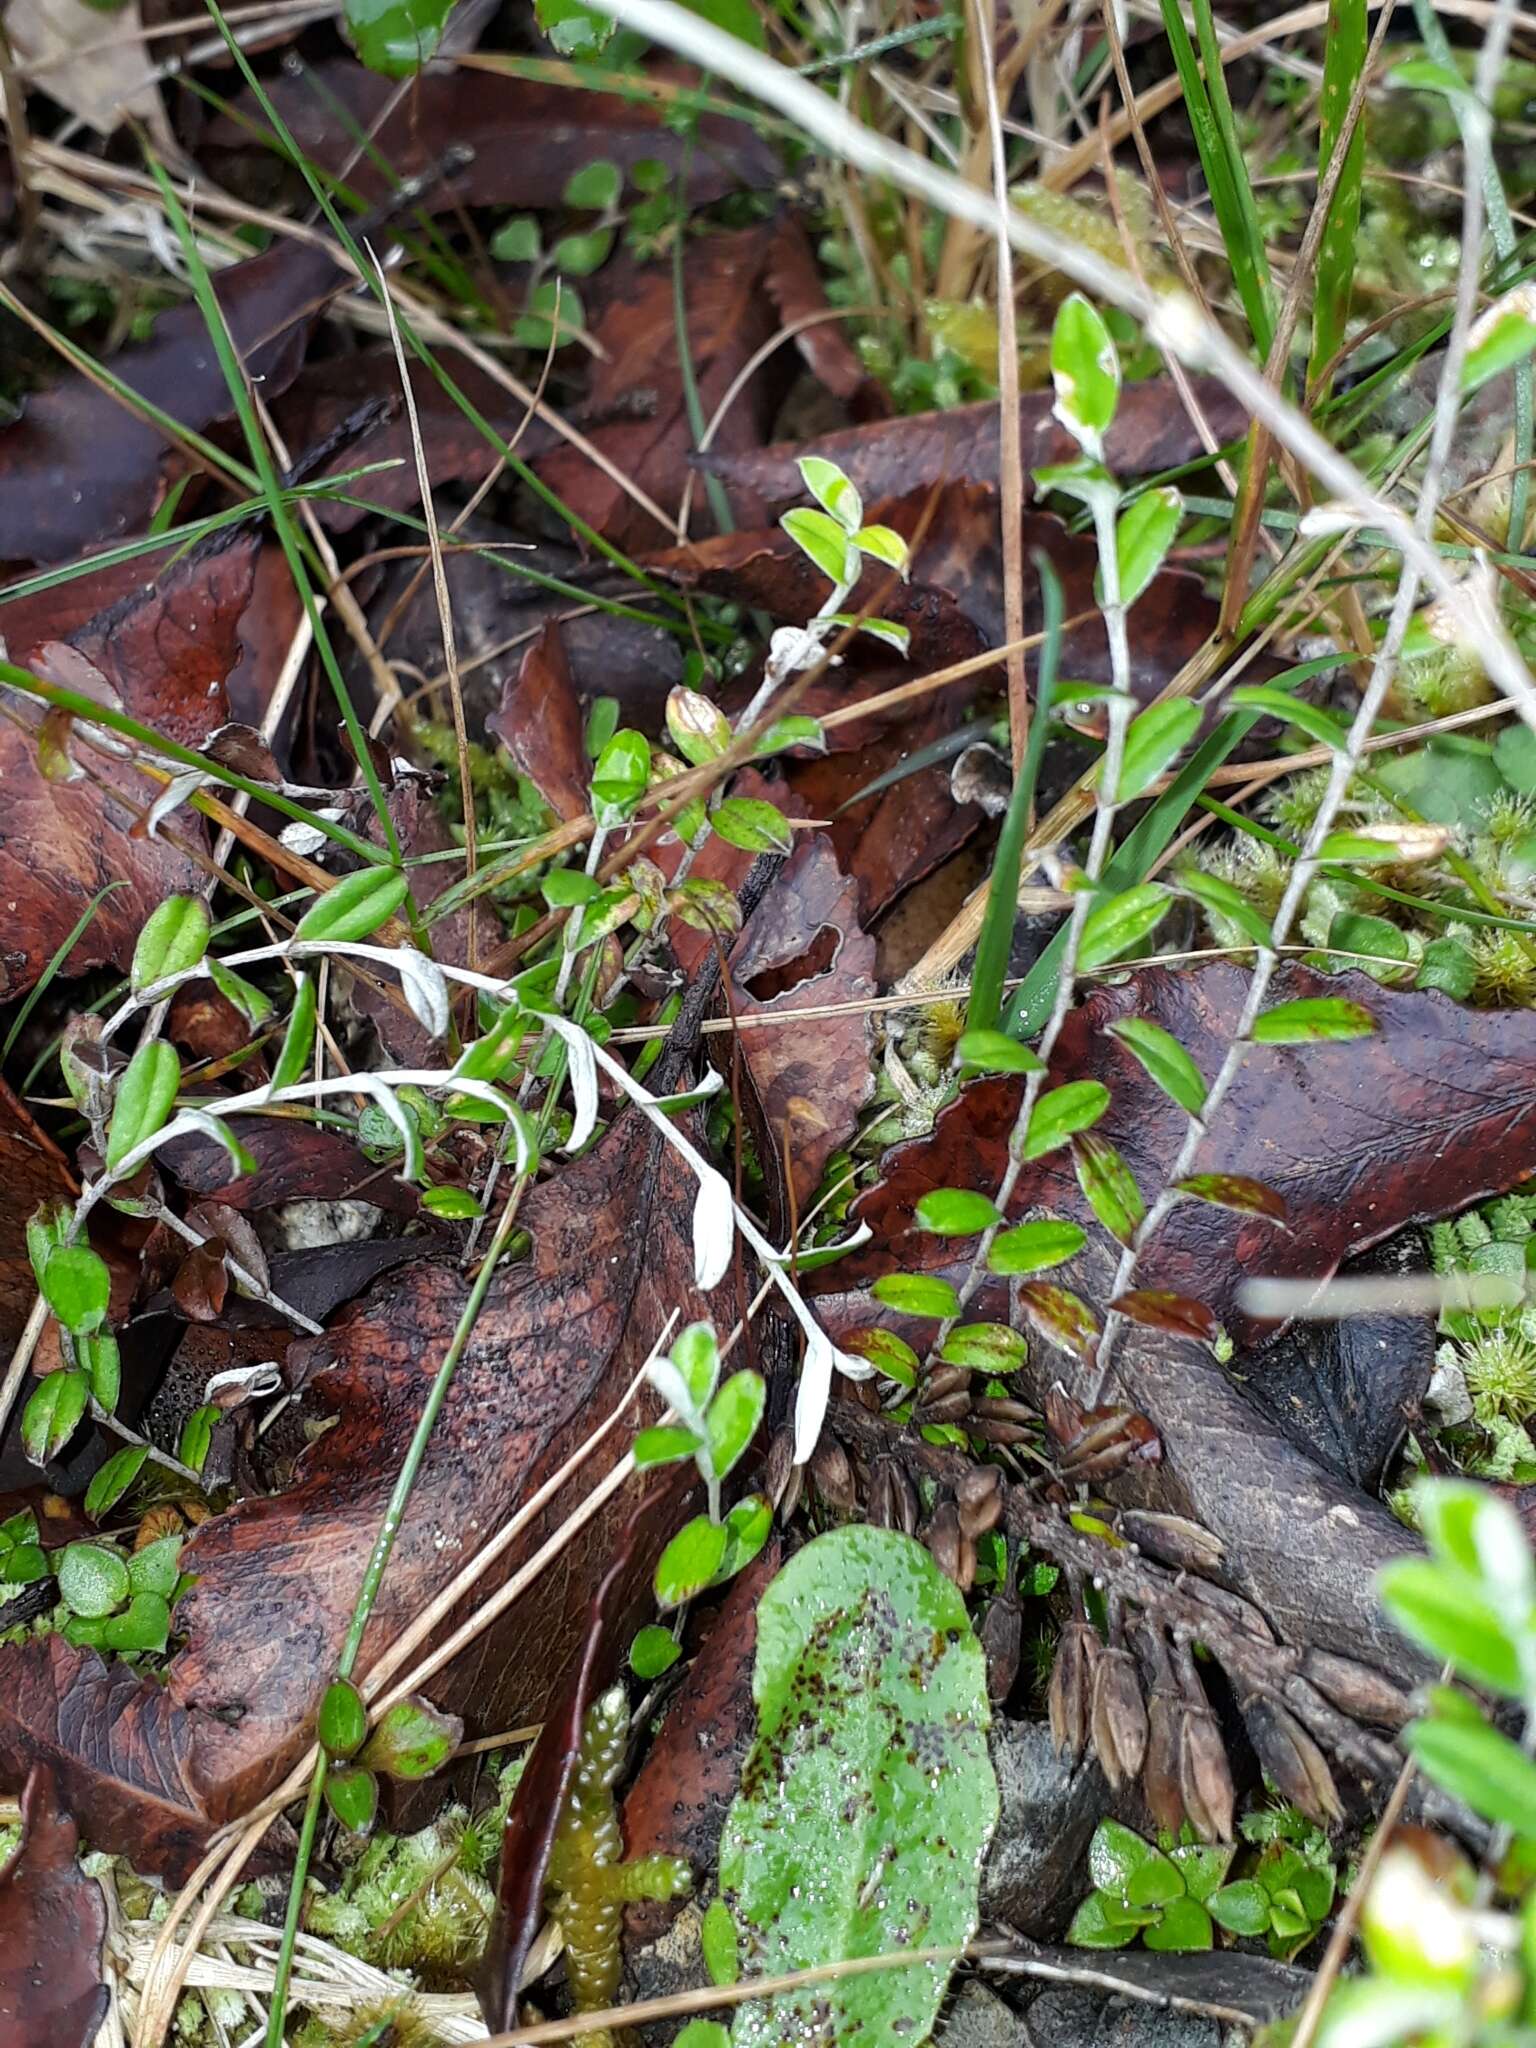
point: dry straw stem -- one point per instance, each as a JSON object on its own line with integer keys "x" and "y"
{"x": 439, "y": 588}
{"x": 1010, "y": 432}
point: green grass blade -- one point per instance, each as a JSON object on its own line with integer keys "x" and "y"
{"x": 995, "y": 944}
{"x": 1343, "y": 61}
{"x": 272, "y": 491}
{"x": 1226, "y": 175}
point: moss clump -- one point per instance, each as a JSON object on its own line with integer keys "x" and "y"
{"x": 588, "y": 1877}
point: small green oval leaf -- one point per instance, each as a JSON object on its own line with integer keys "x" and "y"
{"x": 145, "y": 1097}
{"x": 174, "y": 938}
{"x": 354, "y": 909}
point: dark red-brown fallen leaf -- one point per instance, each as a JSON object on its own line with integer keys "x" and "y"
{"x": 527, "y": 138}
{"x": 78, "y": 467}
{"x": 327, "y": 394}
{"x": 891, "y": 840}
{"x": 804, "y": 948}
{"x": 295, "y": 1161}
{"x": 678, "y": 1802}
{"x": 730, "y": 314}
{"x": 1434, "y": 1111}
{"x": 560, "y": 1337}
{"x": 885, "y": 458}
{"x": 164, "y": 649}
{"x": 623, "y": 1594}
{"x": 793, "y": 277}
{"x": 118, "y": 1746}
{"x": 53, "y": 1928}
{"x": 539, "y": 723}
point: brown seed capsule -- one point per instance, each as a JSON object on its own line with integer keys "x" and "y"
{"x": 979, "y": 1496}
{"x": 1119, "y": 1717}
{"x": 782, "y": 1477}
{"x": 1171, "y": 1540}
{"x": 944, "y": 1540}
{"x": 1069, "y": 1701}
{"x": 908, "y": 1506}
{"x": 992, "y": 1408}
{"x": 1001, "y": 1632}
{"x": 1205, "y": 1778}
{"x": 943, "y": 1381}
{"x": 947, "y": 1408}
{"x": 1160, "y": 1769}
{"x": 833, "y": 1476}
{"x": 1291, "y": 1758}
{"x": 880, "y": 1496}
{"x": 1004, "y": 1434}
{"x": 1357, "y": 1689}
{"x": 965, "y": 1577}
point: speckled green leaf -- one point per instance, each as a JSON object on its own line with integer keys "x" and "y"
{"x": 868, "y": 1799}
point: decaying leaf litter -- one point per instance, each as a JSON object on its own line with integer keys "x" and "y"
{"x": 561, "y": 578}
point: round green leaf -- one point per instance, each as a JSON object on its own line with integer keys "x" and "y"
{"x": 1085, "y": 371}
{"x": 733, "y": 1417}
{"x": 917, "y": 1294}
{"x": 595, "y": 187}
{"x": 93, "y": 1581}
{"x": 1119, "y": 926}
{"x": 621, "y": 777}
{"x": 996, "y": 1053}
{"x": 721, "y": 1946}
{"x": 1241, "y": 1908}
{"x": 412, "y": 1740}
{"x": 454, "y": 1205}
{"x": 77, "y": 1287}
{"x": 1036, "y": 1247}
{"x": 1313, "y": 1020}
{"x": 114, "y": 1479}
{"x": 751, "y": 824}
{"x": 1184, "y": 1926}
{"x": 156, "y": 1568}
{"x": 1169, "y": 1065}
{"x": 1061, "y": 1113}
{"x": 1144, "y": 533}
{"x": 886, "y": 1352}
{"x": 145, "y": 1624}
{"x": 53, "y": 1414}
{"x": 352, "y": 1794}
{"x": 690, "y": 1561}
{"x": 653, "y": 1651}
{"x": 663, "y": 1444}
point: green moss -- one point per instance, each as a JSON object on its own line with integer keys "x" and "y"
{"x": 590, "y": 1882}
